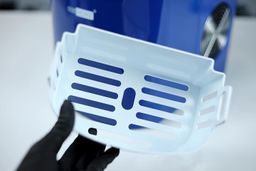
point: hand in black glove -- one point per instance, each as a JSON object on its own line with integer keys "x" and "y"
{"x": 82, "y": 155}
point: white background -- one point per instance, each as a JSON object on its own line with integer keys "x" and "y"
{"x": 26, "y": 49}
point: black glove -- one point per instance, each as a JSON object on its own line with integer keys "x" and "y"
{"x": 82, "y": 155}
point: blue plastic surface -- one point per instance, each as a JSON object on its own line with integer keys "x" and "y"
{"x": 177, "y": 24}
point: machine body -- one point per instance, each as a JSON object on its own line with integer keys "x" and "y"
{"x": 201, "y": 27}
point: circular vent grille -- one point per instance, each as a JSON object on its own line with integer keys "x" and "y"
{"x": 216, "y": 29}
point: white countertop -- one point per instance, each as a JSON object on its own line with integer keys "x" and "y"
{"x": 26, "y": 49}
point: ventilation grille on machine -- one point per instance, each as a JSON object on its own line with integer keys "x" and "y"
{"x": 216, "y": 30}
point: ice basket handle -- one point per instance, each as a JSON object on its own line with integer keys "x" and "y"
{"x": 224, "y": 105}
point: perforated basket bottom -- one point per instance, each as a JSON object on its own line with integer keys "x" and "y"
{"x": 138, "y": 96}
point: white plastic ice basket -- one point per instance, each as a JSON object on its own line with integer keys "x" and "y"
{"x": 137, "y": 95}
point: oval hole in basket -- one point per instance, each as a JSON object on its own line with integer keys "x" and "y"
{"x": 156, "y": 119}
{"x": 168, "y": 83}
{"x": 128, "y": 98}
{"x": 100, "y": 119}
{"x": 164, "y": 95}
{"x": 93, "y": 90}
{"x": 100, "y": 65}
{"x": 97, "y": 78}
{"x": 160, "y": 107}
{"x": 92, "y": 103}
{"x": 92, "y": 131}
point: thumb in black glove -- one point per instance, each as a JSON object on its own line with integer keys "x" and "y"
{"x": 82, "y": 155}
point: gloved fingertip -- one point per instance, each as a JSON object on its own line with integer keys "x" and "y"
{"x": 63, "y": 127}
{"x": 101, "y": 162}
{"x": 112, "y": 151}
{"x": 66, "y": 118}
{"x": 66, "y": 108}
